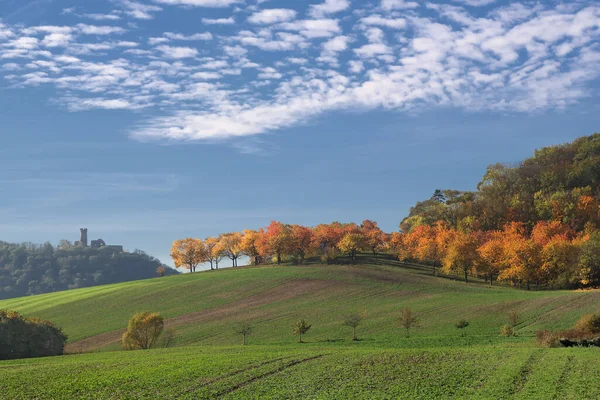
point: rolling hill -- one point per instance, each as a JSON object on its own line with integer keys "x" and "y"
{"x": 208, "y": 363}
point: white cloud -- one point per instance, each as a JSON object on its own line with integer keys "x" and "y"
{"x": 398, "y": 5}
{"x": 99, "y": 30}
{"x": 377, "y": 20}
{"x": 57, "y": 40}
{"x": 102, "y": 17}
{"x": 313, "y": 28}
{"x": 196, "y": 36}
{"x": 177, "y": 52}
{"x": 219, "y": 21}
{"x": 328, "y": 7}
{"x": 272, "y": 16}
{"x": 139, "y": 10}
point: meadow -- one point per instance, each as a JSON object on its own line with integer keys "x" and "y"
{"x": 436, "y": 361}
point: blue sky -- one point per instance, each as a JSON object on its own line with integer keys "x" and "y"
{"x": 148, "y": 121}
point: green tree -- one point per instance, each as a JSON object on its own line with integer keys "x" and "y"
{"x": 352, "y": 321}
{"x": 300, "y": 328}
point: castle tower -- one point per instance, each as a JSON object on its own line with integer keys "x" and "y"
{"x": 83, "y": 239}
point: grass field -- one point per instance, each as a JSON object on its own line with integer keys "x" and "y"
{"x": 435, "y": 362}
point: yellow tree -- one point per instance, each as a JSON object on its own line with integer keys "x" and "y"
{"x": 462, "y": 253}
{"x": 352, "y": 243}
{"x": 492, "y": 255}
{"x": 249, "y": 245}
{"x": 559, "y": 260}
{"x": 212, "y": 256}
{"x": 230, "y": 243}
{"x": 188, "y": 253}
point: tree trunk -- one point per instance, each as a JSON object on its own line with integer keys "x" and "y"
{"x": 279, "y": 263}
{"x": 211, "y": 265}
{"x": 466, "y": 277}
{"x": 354, "y": 334}
{"x": 528, "y": 288}
{"x": 491, "y": 279}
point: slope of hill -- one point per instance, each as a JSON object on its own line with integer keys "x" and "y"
{"x": 204, "y": 307}
{"x": 436, "y": 361}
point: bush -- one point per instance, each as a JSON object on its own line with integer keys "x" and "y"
{"x": 461, "y": 325}
{"x": 143, "y": 331}
{"x": 547, "y": 339}
{"x": 22, "y": 337}
{"x": 589, "y": 324}
{"x": 507, "y": 330}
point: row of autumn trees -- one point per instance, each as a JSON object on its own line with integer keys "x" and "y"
{"x": 551, "y": 254}
{"x": 279, "y": 242}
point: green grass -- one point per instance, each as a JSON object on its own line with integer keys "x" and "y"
{"x": 435, "y": 362}
{"x": 301, "y": 372}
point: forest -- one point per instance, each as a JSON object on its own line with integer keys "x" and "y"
{"x": 28, "y": 269}
{"x": 535, "y": 223}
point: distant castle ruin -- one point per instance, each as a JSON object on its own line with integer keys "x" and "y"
{"x": 95, "y": 244}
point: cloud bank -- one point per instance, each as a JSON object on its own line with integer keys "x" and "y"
{"x": 263, "y": 68}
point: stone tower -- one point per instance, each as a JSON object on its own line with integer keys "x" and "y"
{"x": 83, "y": 239}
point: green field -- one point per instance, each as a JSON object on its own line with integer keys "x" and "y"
{"x": 207, "y": 362}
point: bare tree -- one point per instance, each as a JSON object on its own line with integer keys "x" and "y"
{"x": 245, "y": 330}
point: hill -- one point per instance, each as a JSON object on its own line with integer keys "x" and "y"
{"x": 208, "y": 363}
{"x": 205, "y": 306}
{"x": 29, "y": 269}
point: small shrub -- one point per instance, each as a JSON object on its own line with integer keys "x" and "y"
{"x": 513, "y": 319}
{"x": 547, "y": 339}
{"x": 143, "y": 331}
{"x": 507, "y": 331}
{"x": 461, "y": 325}
{"x": 300, "y": 328}
{"x": 589, "y": 324}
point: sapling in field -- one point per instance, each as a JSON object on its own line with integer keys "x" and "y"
{"x": 300, "y": 328}
{"x": 408, "y": 320}
{"x": 245, "y": 330}
{"x": 352, "y": 321}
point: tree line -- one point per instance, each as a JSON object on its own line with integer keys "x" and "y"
{"x": 29, "y": 269}
{"x": 279, "y": 242}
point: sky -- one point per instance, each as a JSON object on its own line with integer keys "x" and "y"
{"x": 150, "y": 121}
